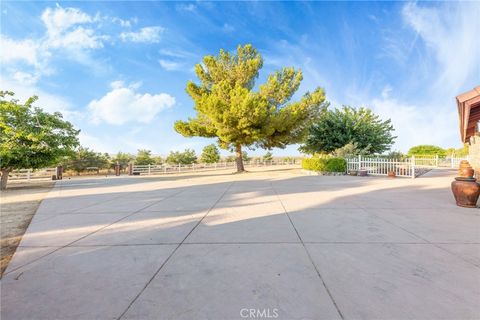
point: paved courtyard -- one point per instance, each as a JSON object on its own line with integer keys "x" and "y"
{"x": 272, "y": 244}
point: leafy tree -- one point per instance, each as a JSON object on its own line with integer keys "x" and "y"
{"x": 158, "y": 160}
{"x": 349, "y": 150}
{"x": 210, "y": 154}
{"x": 144, "y": 157}
{"x": 339, "y": 127}
{"x": 460, "y": 152}
{"x": 245, "y": 157}
{"x": 30, "y": 137}
{"x": 85, "y": 158}
{"x": 395, "y": 155}
{"x": 427, "y": 150}
{"x": 229, "y": 109}
{"x": 123, "y": 159}
{"x": 230, "y": 158}
{"x": 268, "y": 156}
{"x": 186, "y": 157}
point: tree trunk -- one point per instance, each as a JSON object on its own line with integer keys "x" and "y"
{"x": 239, "y": 158}
{"x": 4, "y": 179}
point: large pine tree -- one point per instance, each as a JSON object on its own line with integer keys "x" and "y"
{"x": 229, "y": 109}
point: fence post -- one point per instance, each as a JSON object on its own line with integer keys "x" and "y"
{"x": 59, "y": 172}
{"x": 149, "y": 171}
{"x": 436, "y": 160}
{"x": 164, "y": 168}
{"x": 179, "y": 167}
{"x": 413, "y": 166}
{"x": 359, "y": 162}
{"x": 29, "y": 173}
{"x": 193, "y": 166}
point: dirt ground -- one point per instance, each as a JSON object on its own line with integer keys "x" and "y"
{"x": 17, "y": 206}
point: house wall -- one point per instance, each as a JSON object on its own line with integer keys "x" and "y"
{"x": 474, "y": 153}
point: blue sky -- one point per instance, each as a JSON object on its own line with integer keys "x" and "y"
{"x": 118, "y": 70}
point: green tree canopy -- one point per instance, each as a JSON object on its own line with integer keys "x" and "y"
{"x": 245, "y": 156}
{"x": 123, "y": 159}
{"x": 349, "y": 150}
{"x": 268, "y": 156}
{"x": 427, "y": 150}
{"x": 458, "y": 152}
{"x": 339, "y": 127}
{"x": 228, "y": 108}
{"x": 85, "y": 158}
{"x": 31, "y": 137}
{"x": 144, "y": 157}
{"x": 210, "y": 154}
{"x": 158, "y": 160}
{"x": 230, "y": 158}
{"x": 186, "y": 157}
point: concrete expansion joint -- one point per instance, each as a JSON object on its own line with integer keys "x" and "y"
{"x": 173, "y": 253}
{"x": 308, "y": 254}
{"x": 93, "y": 232}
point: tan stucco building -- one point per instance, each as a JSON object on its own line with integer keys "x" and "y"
{"x": 468, "y": 105}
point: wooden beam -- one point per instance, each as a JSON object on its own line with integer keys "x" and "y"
{"x": 468, "y": 105}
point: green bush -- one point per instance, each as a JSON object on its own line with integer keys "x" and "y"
{"x": 325, "y": 164}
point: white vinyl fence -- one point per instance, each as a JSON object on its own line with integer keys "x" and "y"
{"x": 30, "y": 174}
{"x": 409, "y": 167}
{"x": 196, "y": 167}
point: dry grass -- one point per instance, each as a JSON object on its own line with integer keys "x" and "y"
{"x": 17, "y": 206}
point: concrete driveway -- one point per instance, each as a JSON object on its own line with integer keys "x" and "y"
{"x": 271, "y": 245}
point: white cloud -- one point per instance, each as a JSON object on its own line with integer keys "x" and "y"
{"x": 27, "y": 60}
{"x": 187, "y": 7}
{"x": 79, "y": 38}
{"x": 25, "y": 77}
{"x": 415, "y": 124}
{"x": 125, "y": 22}
{"x": 47, "y": 101}
{"x": 146, "y": 34}
{"x": 23, "y": 50}
{"x": 450, "y": 32}
{"x": 70, "y": 32}
{"x": 124, "y": 104}
{"x": 98, "y": 144}
{"x": 169, "y": 65}
{"x": 64, "y": 29}
{"x": 59, "y": 19}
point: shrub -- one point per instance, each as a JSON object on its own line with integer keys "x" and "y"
{"x": 325, "y": 164}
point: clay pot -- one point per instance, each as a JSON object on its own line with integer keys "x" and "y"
{"x": 391, "y": 174}
{"x": 465, "y": 170}
{"x": 466, "y": 192}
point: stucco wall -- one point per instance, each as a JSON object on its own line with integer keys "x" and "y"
{"x": 474, "y": 153}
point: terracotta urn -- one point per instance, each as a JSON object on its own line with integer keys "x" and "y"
{"x": 391, "y": 174}
{"x": 466, "y": 191}
{"x": 465, "y": 170}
